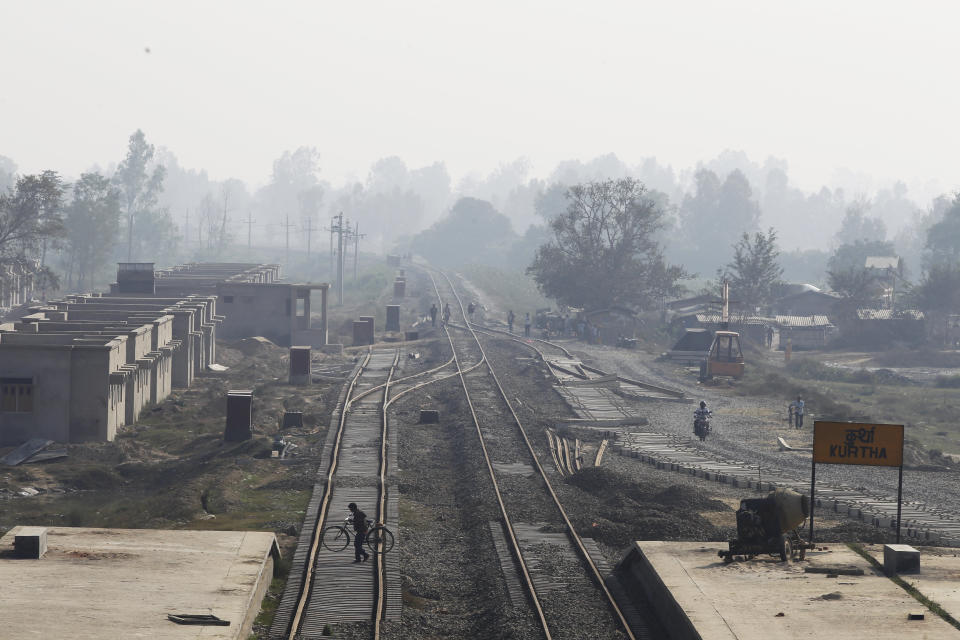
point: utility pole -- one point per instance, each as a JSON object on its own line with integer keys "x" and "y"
{"x": 309, "y": 230}
{"x": 337, "y": 226}
{"x": 331, "y": 248}
{"x": 356, "y": 249}
{"x": 287, "y": 226}
{"x": 249, "y": 222}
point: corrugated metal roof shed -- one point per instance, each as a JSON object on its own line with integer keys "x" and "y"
{"x": 715, "y": 318}
{"x": 882, "y": 262}
{"x": 803, "y": 321}
{"x": 888, "y": 314}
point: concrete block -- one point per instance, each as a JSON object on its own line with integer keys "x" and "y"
{"x": 30, "y": 542}
{"x": 239, "y": 416}
{"x": 371, "y": 329}
{"x": 299, "y": 366}
{"x": 429, "y": 416}
{"x": 361, "y": 333}
{"x": 900, "y": 558}
{"x": 292, "y": 420}
{"x": 393, "y": 317}
{"x": 399, "y": 288}
{"x": 412, "y": 335}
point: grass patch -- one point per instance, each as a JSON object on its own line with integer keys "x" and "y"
{"x": 934, "y": 607}
{"x": 917, "y": 358}
{"x": 811, "y": 369}
{"x": 509, "y": 288}
{"x": 947, "y": 382}
{"x": 928, "y": 413}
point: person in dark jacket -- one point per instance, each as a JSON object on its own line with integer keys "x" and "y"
{"x": 360, "y": 531}
{"x": 433, "y": 315}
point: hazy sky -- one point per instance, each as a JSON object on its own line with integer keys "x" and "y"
{"x": 227, "y": 86}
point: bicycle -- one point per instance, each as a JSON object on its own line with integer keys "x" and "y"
{"x": 338, "y": 537}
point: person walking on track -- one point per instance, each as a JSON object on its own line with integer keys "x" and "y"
{"x": 360, "y": 531}
{"x": 798, "y": 412}
{"x": 433, "y": 315}
{"x": 510, "y": 320}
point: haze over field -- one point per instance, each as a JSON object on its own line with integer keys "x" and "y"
{"x": 390, "y": 112}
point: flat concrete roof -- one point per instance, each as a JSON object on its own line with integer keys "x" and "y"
{"x": 122, "y": 583}
{"x": 764, "y": 598}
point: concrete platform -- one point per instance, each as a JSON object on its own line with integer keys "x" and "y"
{"x": 122, "y": 583}
{"x": 698, "y": 596}
{"x": 939, "y": 577}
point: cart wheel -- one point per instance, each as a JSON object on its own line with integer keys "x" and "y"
{"x": 727, "y": 559}
{"x": 786, "y": 549}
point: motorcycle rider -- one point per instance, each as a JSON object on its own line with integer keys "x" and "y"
{"x": 701, "y": 415}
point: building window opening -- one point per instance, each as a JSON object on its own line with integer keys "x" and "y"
{"x": 16, "y": 395}
{"x": 228, "y": 299}
{"x": 301, "y": 307}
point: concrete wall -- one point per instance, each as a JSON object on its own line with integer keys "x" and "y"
{"x": 113, "y": 361}
{"x": 50, "y": 369}
{"x": 91, "y": 415}
{"x": 275, "y": 311}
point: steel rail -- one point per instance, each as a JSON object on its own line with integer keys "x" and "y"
{"x": 379, "y": 560}
{"x": 637, "y": 383}
{"x": 571, "y": 531}
{"x": 511, "y": 534}
{"x": 324, "y": 508}
{"x": 405, "y": 378}
{"x": 416, "y": 375}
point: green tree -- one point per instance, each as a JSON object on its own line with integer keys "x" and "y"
{"x": 140, "y": 188}
{"x": 938, "y": 294}
{"x": 604, "y": 249}
{"x": 31, "y": 214}
{"x": 853, "y": 255}
{"x": 755, "y": 269}
{"x": 30, "y": 220}
{"x": 714, "y": 216}
{"x": 472, "y": 233}
{"x": 857, "y": 226}
{"x": 943, "y": 237}
{"x": 858, "y": 288}
{"x": 92, "y": 221}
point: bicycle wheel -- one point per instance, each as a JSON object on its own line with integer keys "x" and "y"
{"x": 335, "y": 538}
{"x": 377, "y": 535}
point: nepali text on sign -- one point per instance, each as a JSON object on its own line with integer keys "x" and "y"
{"x": 858, "y": 443}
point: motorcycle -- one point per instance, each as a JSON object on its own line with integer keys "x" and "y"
{"x": 701, "y": 427}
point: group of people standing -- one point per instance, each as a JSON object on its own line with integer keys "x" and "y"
{"x": 471, "y": 308}
{"x": 526, "y": 323}
{"x": 434, "y": 311}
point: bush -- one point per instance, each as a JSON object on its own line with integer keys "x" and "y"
{"x": 948, "y": 382}
{"x": 816, "y": 370}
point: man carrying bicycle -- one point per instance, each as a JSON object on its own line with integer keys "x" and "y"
{"x": 360, "y": 529}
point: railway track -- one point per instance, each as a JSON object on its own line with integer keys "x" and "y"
{"x": 535, "y": 531}
{"x": 920, "y": 522}
{"x": 325, "y": 588}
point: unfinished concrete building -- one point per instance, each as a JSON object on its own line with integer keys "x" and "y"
{"x": 250, "y": 296}
{"x": 140, "y": 278}
{"x": 77, "y": 369}
{"x": 278, "y": 311}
